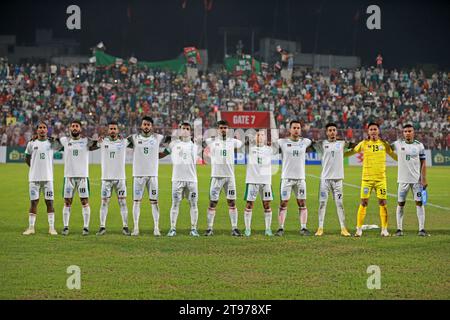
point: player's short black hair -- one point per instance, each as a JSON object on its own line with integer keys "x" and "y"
{"x": 113, "y": 123}
{"x": 76, "y": 121}
{"x": 373, "y": 124}
{"x": 147, "y": 118}
{"x": 331, "y": 124}
{"x": 185, "y": 124}
{"x": 222, "y": 123}
{"x": 294, "y": 121}
{"x": 408, "y": 125}
{"x": 41, "y": 122}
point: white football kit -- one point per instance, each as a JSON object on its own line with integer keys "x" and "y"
{"x": 259, "y": 174}
{"x": 293, "y": 167}
{"x": 76, "y": 166}
{"x": 145, "y": 165}
{"x": 113, "y": 156}
{"x": 409, "y": 157}
{"x": 222, "y": 167}
{"x": 40, "y": 175}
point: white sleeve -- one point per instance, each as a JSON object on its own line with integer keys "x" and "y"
{"x": 63, "y": 141}
{"x": 160, "y": 138}
{"x": 308, "y": 142}
{"x": 29, "y": 148}
{"x": 237, "y": 143}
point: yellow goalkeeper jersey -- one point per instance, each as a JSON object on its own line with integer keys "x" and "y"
{"x": 374, "y": 159}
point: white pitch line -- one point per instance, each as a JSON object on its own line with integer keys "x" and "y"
{"x": 389, "y": 194}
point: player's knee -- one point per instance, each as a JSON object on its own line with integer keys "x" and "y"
{"x": 301, "y": 203}
{"x": 364, "y": 202}
{"x": 231, "y": 203}
{"x": 49, "y": 204}
{"x": 381, "y": 202}
{"x": 212, "y": 204}
{"x": 68, "y": 202}
{"x": 122, "y": 202}
{"x": 249, "y": 205}
{"x": 322, "y": 204}
{"x": 105, "y": 202}
{"x": 175, "y": 204}
{"x": 283, "y": 204}
{"x": 266, "y": 205}
{"x": 84, "y": 201}
{"x": 419, "y": 203}
{"x": 153, "y": 202}
{"x": 401, "y": 204}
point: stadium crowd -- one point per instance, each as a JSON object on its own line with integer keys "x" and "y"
{"x": 350, "y": 98}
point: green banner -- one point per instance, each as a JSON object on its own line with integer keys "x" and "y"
{"x": 15, "y": 154}
{"x": 245, "y": 64}
{"x": 440, "y": 157}
{"x": 177, "y": 65}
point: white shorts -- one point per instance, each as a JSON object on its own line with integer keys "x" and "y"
{"x": 264, "y": 190}
{"x": 216, "y": 186}
{"x": 184, "y": 189}
{"x": 335, "y": 186}
{"x": 403, "y": 189}
{"x": 142, "y": 183}
{"x": 296, "y": 185}
{"x": 71, "y": 184}
{"x": 46, "y": 186}
{"x": 119, "y": 185}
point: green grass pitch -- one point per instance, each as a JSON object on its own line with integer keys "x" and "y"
{"x": 223, "y": 267}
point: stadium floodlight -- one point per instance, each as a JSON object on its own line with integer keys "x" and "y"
{"x": 133, "y": 60}
{"x": 100, "y": 45}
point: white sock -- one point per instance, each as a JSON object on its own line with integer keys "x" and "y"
{"x": 268, "y": 218}
{"x": 155, "y": 213}
{"x": 86, "y": 210}
{"x": 136, "y": 213}
{"x": 174, "y": 215}
{"x": 282, "y": 213}
{"x": 31, "y": 220}
{"x": 303, "y": 217}
{"x": 211, "y": 213}
{"x": 194, "y": 215}
{"x": 322, "y": 210}
{"x": 340, "y": 212}
{"x": 51, "y": 220}
{"x": 233, "y": 217}
{"x": 248, "y": 218}
{"x": 104, "y": 212}
{"x": 66, "y": 215}
{"x": 124, "y": 212}
{"x": 421, "y": 217}
{"x": 400, "y": 211}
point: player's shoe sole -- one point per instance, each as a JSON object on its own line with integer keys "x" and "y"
{"x": 28, "y": 232}
{"x": 345, "y": 233}
{"x": 305, "y": 232}
{"x": 126, "y": 232}
{"x": 101, "y": 232}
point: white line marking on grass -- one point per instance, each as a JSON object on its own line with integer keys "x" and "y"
{"x": 389, "y": 194}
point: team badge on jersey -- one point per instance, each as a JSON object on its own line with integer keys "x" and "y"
{"x": 366, "y": 190}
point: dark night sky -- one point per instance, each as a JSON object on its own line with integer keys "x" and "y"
{"x": 413, "y": 32}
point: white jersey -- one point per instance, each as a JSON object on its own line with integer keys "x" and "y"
{"x": 76, "y": 157}
{"x": 409, "y": 156}
{"x": 259, "y": 165}
{"x": 332, "y": 154}
{"x": 146, "y": 154}
{"x": 113, "y": 155}
{"x": 41, "y": 166}
{"x": 222, "y": 156}
{"x": 293, "y": 157}
{"x": 184, "y": 156}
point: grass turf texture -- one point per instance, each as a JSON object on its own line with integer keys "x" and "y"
{"x": 222, "y": 267}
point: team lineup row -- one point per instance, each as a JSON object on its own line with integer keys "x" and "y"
{"x": 146, "y": 146}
